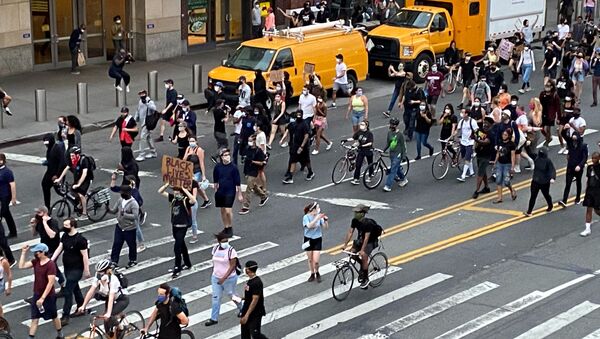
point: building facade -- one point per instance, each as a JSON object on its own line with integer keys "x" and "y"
{"x": 34, "y": 34}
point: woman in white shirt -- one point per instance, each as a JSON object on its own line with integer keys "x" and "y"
{"x": 527, "y": 65}
{"x": 563, "y": 29}
{"x": 5, "y": 278}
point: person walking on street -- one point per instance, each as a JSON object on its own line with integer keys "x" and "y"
{"x": 181, "y": 201}
{"x": 505, "y": 164}
{"x": 8, "y": 196}
{"x": 592, "y": 193}
{"x": 578, "y": 71}
{"x": 576, "y": 160}
{"x": 413, "y": 96}
{"x": 595, "y": 66}
{"x": 527, "y": 66}
{"x": 313, "y": 223}
{"x": 76, "y": 263}
{"x": 128, "y": 217}
{"x": 467, "y": 127}
{"x": 358, "y": 105}
{"x": 280, "y": 119}
{"x": 74, "y": 47}
{"x": 399, "y": 76}
{"x": 320, "y": 123}
{"x": 6, "y": 278}
{"x": 364, "y": 141}
{"x": 55, "y": 163}
{"x": 340, "y": 82}
{"x": 130, "y": 180}
{"x": 434, "y": 87}
{"x": 226, "y": 178}
{"x": 74, "y": 130}
{"x": 44, "y": 298}
{"x": 307, "y": 104}
{"x": 168, "y": 309}
{"x": 544, "y": 174}
{"x": 484, "y": 150}
{"x": 299, "y": 136}
{"x": 126, "y": 126}
{"x": 170, "y": 104}
{"x": 254, "y": 304}
{"x": 221, "y": 116}
{"x": 146, "y": 107}
{"x": 255, "y": 161}
{"x": 396, "y": 146}
{"x": 224, "y": 276}
{"x": 46, "y": 227}
{"x": 116, "y": 71}
{"x": 424, "y": 122}
{"x": 117, "y": 32}
{"x": 188, "y": 116}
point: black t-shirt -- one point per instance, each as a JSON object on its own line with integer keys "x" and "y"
{"x": 399, "y": 81}
{"x": 77, "y": 171}
{"x": 475, "y": 113}
{"x": 468, "y": 69}
{"x": 171, "y": 98}
{"x": 549, "y": 56}
{"x": 44, "y": 238}
{"x": 422, "y": 125}
{"x": 72, "y": 247}
{"x": 413, "y": 94}
{"x": 297, "y": 131}
{"x": 564, "y": 88}
{"x": 169, "y": 325}
{"x": 253, "y": 287}
{"x": 307, "y": 17}
{"x": 256, "y": 154}
{"x": 483, "y": 150}
{"x": 363, "y": 138}
{"x": 362, "y": 227}
{"x": 447, "y": 123}
{"x": 180, "y": 210}
{"x": 219, "y": 115}
{"x": 593, "y": 176}
{"x": 504, "y": 152}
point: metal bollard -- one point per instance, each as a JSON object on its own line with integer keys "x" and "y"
{"x": 121, "y": 96}
{"x": 153, "y": 85}
{"x": 82, "y": 98}
{"x": 196, "y": 78}
{"x": 41, "y": 113}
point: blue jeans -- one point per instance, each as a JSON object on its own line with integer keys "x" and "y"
{"x": 120, "y": 238}
{"x": 422, "y": 140}
{"x": 217, "y": 292}
{"x": 395, "y": 171}
{"x": 138, "y": 233}
{"x": 357, "y": 117}
{"x": 395, "y": 96}
{"x": 503, "y": 174}
{"x": 527, "y": 70}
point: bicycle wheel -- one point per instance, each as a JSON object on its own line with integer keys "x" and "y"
{"x": 405, "y": 165}
{"x": 342, "y": 283}
{"x": 133, "y": 322}
{"x": 440, "y": 165}
{"x": 60, "y": 209}
{"x": 6, "y": 335}
{"x": 4, "y": 325}
{"x": 378, "y": 266}
{"x": 340, "y": 170}
{"x": 96, "y": 211}
{"x": 90, "y": 334}
{"x": 187, "y": 334}
{"x": 372, "y": 181}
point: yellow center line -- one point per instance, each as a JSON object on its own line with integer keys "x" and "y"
{"x": 492, "y": 210}
{"x": 474, "y": 234}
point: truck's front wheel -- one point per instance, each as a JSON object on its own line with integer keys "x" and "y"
{"x": 421, "y": 66}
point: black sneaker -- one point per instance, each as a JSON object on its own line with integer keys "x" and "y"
{"x": 311, "y": 278}
{"x": 228, "y": 231}
{"x": 475, "y": 195}
{"x": 365, "y": 283}
{"x": 206, "y": 203}
{"x": 175, "y": 274}
{"x": 131, "y": 264}
{"x": 318, "y": 276}
{"x": 485, "y": 190}
{"x": 263, "y": 201}
{"x": 287, "y": 180}
{"x": 310, "y": 176}
{"x": 28, "y": 300}
{"x": 210, "y": 322}
{"x": 159, "y": 139}
{"x": 562, "y": 203}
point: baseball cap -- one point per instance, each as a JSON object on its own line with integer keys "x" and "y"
{"x": 361, "y": 208}
{"x": 41, "y": 247}
{"x": 220, "y": 84}
{"x": 169, "y": 81}
{"x": 124, "y": 109}
{"x": 185, "y": 102}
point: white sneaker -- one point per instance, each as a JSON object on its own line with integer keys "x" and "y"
{"x": 528, "y": 89}
{"x": 119, "y": 88}
{"x": 517, "y": 169}
{"x": 329, "y": 146}
{"x": 315, "y": 152}
{"x": 562, "y": 150}
{"x": 151, "y": 155}
{"x": 141, "y": 248}
{"x": 566, "y": 152}
{"x": 461, "y": 179}
{"x": 140, "y": 158}
{"x": 387, "y": 189}
{"x": 284, "y": 145}
{"x": 586, "y": 232}
{"x": 522, "y": 91}
{"x": 403, "y": 182}
{"x": 354, "y": 182}
{"x": 127, "y": 88}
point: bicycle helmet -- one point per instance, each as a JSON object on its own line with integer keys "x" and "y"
{"x": 75, "y": 150}
{"x": 103, "y": 265}
{"x": 394, "y": 122}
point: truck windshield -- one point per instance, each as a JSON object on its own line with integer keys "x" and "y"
{"x": 251, "y": 58}
{"x": 412, "y": 19}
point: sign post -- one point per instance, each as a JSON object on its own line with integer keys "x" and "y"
{"x": 177, "y": 172}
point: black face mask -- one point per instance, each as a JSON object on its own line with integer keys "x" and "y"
{"x": 143, "y": 98}
{"x": 125, "y": 196}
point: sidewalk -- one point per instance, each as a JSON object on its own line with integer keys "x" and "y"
{"x": 61, "y": 92}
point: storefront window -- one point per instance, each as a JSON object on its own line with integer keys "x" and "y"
{"x": 198, "y": 14}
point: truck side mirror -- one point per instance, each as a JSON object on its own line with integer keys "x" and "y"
{"x": 223, "y": 62}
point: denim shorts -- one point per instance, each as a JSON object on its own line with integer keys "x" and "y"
{"x": 503, "y": 174}
{"x": 357, "y": 117}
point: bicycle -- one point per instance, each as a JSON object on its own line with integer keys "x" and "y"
{"x": 379, "y": 169}
{"x": 452, "y": 80}
{"x": 345, "y": 164}
{"x": 345, "y": 268}
{"x": 444, "y": 160}
{"x": 97, "y": 203}
{"x": 129, "y": 327}
{"x": 185, "y": 334}
{"x": 5, "y": 327}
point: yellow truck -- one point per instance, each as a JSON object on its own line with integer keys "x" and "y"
{"x": 419, "y": 33}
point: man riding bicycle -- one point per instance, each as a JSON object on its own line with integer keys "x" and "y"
{"x": 170, "y": 313}
{"x": 83, "y": 174}
{"x": 365, "y": 242}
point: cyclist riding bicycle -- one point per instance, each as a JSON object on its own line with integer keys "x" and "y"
{"x": 170, "y": 312}
{"x": 365, "y": 242}
{"x": 82, "y": 168}
{"x": 110, "y": 291}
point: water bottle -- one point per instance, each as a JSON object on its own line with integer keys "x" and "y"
{"x": 41, "y": 309}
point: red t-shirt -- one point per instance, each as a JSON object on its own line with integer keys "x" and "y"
{"x": 41, "y": 273}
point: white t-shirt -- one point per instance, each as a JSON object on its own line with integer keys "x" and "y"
{"x": 105, "y": 288}
{"x": 562, "y": 31}
{"x": 522, "y": 120}
{"x": 244, "y": 96}
{"x": 307, "y": 104}
{"x": 576, "y": 124}
{"x": 261, "y": 140}
{"x": 467, "y": 128}
{"x": 339, "y": 70}
{"x": 238, "y": 126}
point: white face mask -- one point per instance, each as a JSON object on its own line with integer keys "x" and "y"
{"x": 362, "y": 127}
{"x": 338, "y": 60}
{"x": 217, "y": 88}
{"x": 167, "y": 86}
{"x": 305, "y": 92}
{"x": 514, "y": 103}
{"x": 359, "y": 93}
{"x": 434, "y": 69}
{"x": 476, "y": 104}
{"x": 118, "y": 21}
{"x": 255, "y": 128}
{"x": 468, "y": 59}
{"x": 447, "y": 110}
{"x": 224, "y": 245}
{"x": 422, "y": 108}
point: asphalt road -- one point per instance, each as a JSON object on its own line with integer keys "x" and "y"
{"x": 460, "y": 267}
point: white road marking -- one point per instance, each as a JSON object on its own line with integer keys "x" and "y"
{"x": 509, "y": 309}
{"x": 144, "y": 285}
{"x": 593, "y": 335}
{"x": 430, "y": 311}
{"x": 552, "y": 325}
{"x": 338, "y": 201}
{"x": 556, "y": 142}
{"x": 290, "y": 309}
{"x": 368, "y": 306}
{"x": 140, "y": 173}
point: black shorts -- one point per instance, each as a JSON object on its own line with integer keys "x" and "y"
{"x": 467, "y": 82}
{"x": 564, "y": 120}
{"x": 167, "y": 116}
{"x": 432, "y": 99}
{"x": 83, "y": 188}
{"x": 315, "y": 244}
{"x": 547, "y": 122}
{"x": 303, "y": 158}
{"x": 224, "y": 201}
{"x": 482, "y": 166}
{"x": 592, "y": 198}
{"x": 49, "y": 307}
{"x": 551, "y": 73}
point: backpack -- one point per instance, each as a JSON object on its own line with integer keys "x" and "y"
{"x": 470, "y": 126}
{"x": 238, "y": 266}
{"x": 123, "y": 281}
{"x": 480, "y": 92}
{"x": 91, "y": 164}
{"x": 152, "y": 118}
{"x": 177, "y": 297}
{"x": 376, "y": 230}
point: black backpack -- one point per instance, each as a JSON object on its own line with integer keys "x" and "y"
{"x": 376, "y": 230}
{"x": 123, "y": 281}
{"x": 176, "y": 297}
{"x": 152, "y": 118}
{"x": 91, "y": 165}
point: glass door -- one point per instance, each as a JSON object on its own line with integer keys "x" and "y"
{"x": 229, "y": 20}
{"x": 94, "y": 38}
{"x": 52, "y": 24}
{"x": 41, "y": 34}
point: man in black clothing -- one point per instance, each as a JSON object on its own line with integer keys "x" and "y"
{"x": 306, "y": 15}
{"x": 495, "y": 78}
{"x": 55, "y": 163}
{"x": 170, "y": 103}
{"x": 365, "y": 242}
{"x": 299, "y": 133}
{"x": 220, "y": 114}
{"x": 254, "y": 304}
{"x": 170, "y": 313}
{"x": 74, "y": 44}
{"x": 323, "y": 12}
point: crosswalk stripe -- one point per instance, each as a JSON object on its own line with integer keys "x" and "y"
{"x": 430, "y": 311}
{"x": 290, "y": 309}
{"x": 368, "y": 306}
{"x": 207, "y": 290}
{"x": 508, "y": 309}
{"x": 146, "y": 284}
{"x": 552, "y": 325}
{"x": 593, "y": 335}
{"x": 556, "y": 142}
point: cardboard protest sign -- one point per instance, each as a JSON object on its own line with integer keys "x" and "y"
{"x": 177, "y": 172}
{"x": 309, "y": 68}
{"x": 276, "y": 76}
{"x": 505, "y": 49}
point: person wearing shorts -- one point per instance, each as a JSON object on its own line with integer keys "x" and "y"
{"x": 340, "y": 81}
{"x": 226, "y": 177}
{"x": 170, "y": 103}
{"x": 359, "y": 107}
{"x": 365, "y": 242}
{"x": 505, "y": 164}
{"x": 83, "y": 174}
{"x": 592, "y": 193}
{"x": 485, "y": 151}
{"x": 467, "y": 127}
{"x": 313, "y": 223}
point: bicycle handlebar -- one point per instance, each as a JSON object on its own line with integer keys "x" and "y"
{"x": 351, "y": 253}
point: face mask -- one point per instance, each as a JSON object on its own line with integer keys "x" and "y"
{"x": 468, "y": 59}
{"x": 514, "y": 103}
{"x": 476, "y": 104}
{"x": 305, "y": 92}
{"x": 167, "y": 86}
{"x": 358, "y": 215}
{"x": 256, "y": 6}
{"x": 82, "y": 31}
{"x": 292, "y": 119}
{"x": 359, "y": 93}
{"x": 255, "y": 128}
{"x": 118, "y": 21}
{"x": 185, "y": 109}
{"x": 181, "y": 128}
{"x": 526, "y": 48}
{"x": 224, "y": 245}
{"x": 143, "y": 98}
{"x": 193, "y": 144}
{"x": 278, "y": 88}
{"x": 422, "y": 108}
{"x": 66, "y": 229}
{"x": 434, "y": 69}
{"x": 320, "y": 100}
{"x": 256, "y": 112}
{"x": 125, "y": 196}
{"x": 338, "y": 60}
{"x": 161, "y": 299}
{"x": 217, "y": 88}
{"x": 362, "y": 127}
{"x": 547, "y": 89}
{"x": 447, "y": 110}
{"x": 61, "y": 124}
